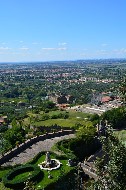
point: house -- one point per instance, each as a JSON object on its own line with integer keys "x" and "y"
{"x": 1, "y": 120}
{"x": 106, "y": 99}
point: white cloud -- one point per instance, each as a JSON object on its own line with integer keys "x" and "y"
{"x": 62, "y": 43}
{"x": 3, "y": 43}
{"x": 48, "y": 48}
{"x": 103, "y": 50}
{"x": 24, "y": 48}
{"x": 104, "y": 44}
{"x": 35, "y": 43}
{"x": 21, "y": 41}
{"x": 5, "y": 48}
{"x": 120, "y": 51}
{"x": 61, "y": 48}
{"x": 123, "y": 50}
{"x": 85, "y": 49}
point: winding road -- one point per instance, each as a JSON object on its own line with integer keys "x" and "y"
{"x": 33, "y": 150}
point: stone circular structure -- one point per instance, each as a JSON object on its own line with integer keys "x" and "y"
{"x": 53, "y": 166}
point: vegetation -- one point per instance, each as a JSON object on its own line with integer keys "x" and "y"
{"x": 16, "y": 177}
{"x": 32, "y": 87}
{"x": 12, "y": 137}
{"x": 42, "y": 122}
{"x": 122, "y": 89}
{"x": 81, "y": 147}
{"x": 121, "y": 134}
{"x": 111, "y": 168}
{"x": 63, "y": 119}
{"x": 30, "y": 107}
{"x": 116, "y": 117}
{"x": 73, "y": 149}
{"x": 2, "y": 187}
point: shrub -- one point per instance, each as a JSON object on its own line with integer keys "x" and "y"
{"x": 78, "y": 148}
{"x": 10, "y": 182}
{"x": 64, "y": 146}
{"x": 116, "y": 117}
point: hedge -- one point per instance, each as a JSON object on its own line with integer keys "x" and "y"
{"x": 20, "y": 183}
{"x": 64, "y": 147}
{"x": 78, "y": 149}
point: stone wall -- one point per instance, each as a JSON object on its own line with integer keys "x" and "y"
{"x": 53, "y": 128}
{"x": 30, "y": 142}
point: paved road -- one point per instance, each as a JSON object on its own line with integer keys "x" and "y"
{"x": 33, "y": 150}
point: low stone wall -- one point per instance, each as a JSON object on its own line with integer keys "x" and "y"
{"x": 30, "y": 142}
{"x": 52, "y": 128}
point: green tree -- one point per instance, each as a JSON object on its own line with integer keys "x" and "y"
{"x": 122, "y": 90}
{"x": 4, "y": 144}
{"x": 111, "y": 168}
{"x": 62, "y": 100}
{"x": 14, "y": 135}
{"x": 116, "y": 117}
{"x": 86, "y": 132}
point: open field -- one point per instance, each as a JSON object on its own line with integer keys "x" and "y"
{"x": 73, "y": 119}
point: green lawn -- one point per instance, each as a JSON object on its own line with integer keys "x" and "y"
{"x": 74, "y": 118}
{"x": 63, "y": 170}
{"x": 121, "y": 135}
{"x": 60, "y": 122}
{"x": 75, "y": 114}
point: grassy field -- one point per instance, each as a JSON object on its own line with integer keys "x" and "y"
{"x": 73, "y": 119}
{"x": 121, "y": 135}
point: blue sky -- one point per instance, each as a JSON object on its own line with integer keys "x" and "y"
{"x": 45, "y": 30}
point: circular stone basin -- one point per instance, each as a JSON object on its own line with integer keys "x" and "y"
{"x": 55, "y": 164}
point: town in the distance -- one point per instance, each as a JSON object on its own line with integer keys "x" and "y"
{"x": 57, "y": 118}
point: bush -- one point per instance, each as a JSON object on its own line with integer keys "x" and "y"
{"x": 3, "y": 128}
{"x": 60, "y": 115}
{"x": 116, "y": 117}
{"x": 64, "y": 146}
{"x": 9, "y": 181}
{"x": 45, "y": 117}
{"x": 78, "y": 149}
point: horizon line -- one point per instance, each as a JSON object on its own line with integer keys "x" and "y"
{"x": 88, "y": 59}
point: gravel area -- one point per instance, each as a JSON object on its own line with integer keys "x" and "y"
{"x": 33, "y": 150}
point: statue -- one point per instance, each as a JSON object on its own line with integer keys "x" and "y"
{"x": 49, "y": 164}
{"x": 70, "y": 162}
{"x": 48, "y": 159}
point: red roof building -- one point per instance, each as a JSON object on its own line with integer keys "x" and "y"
{"x": 106, "y": 99}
